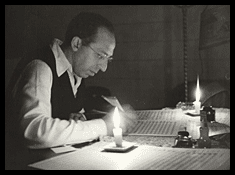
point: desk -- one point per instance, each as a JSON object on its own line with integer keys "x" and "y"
{"x": 31, "y": 156}
{"x": 141, "y": 157}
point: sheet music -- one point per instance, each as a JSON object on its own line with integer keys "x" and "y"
{"x": 184, "y": 159}
{"x": 141, "y": 158}
{"x": 168, "y": 122}
{"x": 157, "y": 122}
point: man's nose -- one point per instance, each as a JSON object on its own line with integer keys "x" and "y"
{"x": 103, "y": 66}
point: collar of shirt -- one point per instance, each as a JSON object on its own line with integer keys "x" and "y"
{"x": 62, "y": 64}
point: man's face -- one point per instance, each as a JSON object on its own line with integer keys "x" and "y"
{"x": 95, "y": 56}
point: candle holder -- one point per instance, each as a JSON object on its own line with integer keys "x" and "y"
{"x": 126, "y": 146}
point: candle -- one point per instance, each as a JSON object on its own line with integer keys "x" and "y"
{"x": 197, "y": 103}
{"x": 117, "y": 131}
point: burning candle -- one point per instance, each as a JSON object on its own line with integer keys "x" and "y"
{"x": 117, "y": 131}
{"x": 197, "y": 103}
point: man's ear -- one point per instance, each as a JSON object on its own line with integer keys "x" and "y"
{"x": 76, "y": 43}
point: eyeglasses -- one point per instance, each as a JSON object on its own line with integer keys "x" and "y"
{"x": 100, "y": 56}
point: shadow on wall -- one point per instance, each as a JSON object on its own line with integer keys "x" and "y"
{"x": 10, "y": 65}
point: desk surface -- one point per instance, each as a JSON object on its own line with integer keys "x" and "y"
{"x": 141, "y": 157}
{"x": 27, "y": 157}
{"x": 31, "y": 156}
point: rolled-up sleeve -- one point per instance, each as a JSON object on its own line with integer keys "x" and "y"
{"x": 39, "y": 128}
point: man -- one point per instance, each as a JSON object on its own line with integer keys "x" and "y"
{"x": 47, "y": 88}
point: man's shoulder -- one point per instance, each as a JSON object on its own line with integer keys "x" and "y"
{"x": 39, "y": 65}
{"x": 38, "y": 72}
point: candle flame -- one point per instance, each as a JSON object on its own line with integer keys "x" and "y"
{"x": 198, "y": 93}
{"x": 116, "y": 118}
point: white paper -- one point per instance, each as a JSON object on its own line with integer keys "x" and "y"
{"x": 67, "y": 147}
{"x": 218, "y": 128}
{"x": 63, "y": 149}
{"x": 113, "y": 101}
{"x": 222, "y": 115}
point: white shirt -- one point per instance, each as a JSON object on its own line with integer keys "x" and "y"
{"x": 39, "y": 128}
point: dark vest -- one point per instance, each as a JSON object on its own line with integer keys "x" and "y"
{"x": 63, "y": 101}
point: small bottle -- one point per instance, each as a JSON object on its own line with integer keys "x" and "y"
{"x": 204, "y": 140}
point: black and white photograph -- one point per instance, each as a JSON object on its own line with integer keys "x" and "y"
{"x": 117, "y": 87}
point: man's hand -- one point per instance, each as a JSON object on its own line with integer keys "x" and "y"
{"x": 77, "y": 116}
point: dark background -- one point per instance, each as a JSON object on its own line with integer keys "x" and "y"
{"x": 149, "y": 57}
